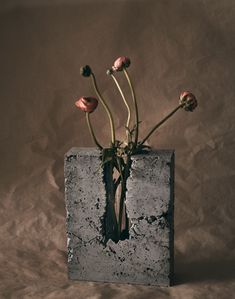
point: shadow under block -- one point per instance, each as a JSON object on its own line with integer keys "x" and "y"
{"x": 147, "y": 257}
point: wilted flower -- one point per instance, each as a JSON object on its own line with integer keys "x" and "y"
{"x": 188, "y": 100}
{"x": 120, "y": 63}
{"x": 85, "y": 71}
{"x": 87, "y": 104}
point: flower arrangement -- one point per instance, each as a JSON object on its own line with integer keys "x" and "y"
{"x": 116, "y": 159}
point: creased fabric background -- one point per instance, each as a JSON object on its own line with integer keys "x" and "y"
{"x": 173, "y": 46}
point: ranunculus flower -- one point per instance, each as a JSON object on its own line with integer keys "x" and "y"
{"x": 87, "y": 104}
{"x": 85, "y": 71}
{"x": 189, "y": 100}
{"x": 120, "y": 63}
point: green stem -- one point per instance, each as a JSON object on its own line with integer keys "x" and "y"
{"x": 105, "y": 106}
{"x": 135, "y": 105}
{"x": 160, "y": 123}
{"x": 91, "y": 130}
{"x": 127, "y": 106}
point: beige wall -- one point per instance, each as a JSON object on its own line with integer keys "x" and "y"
{"x": 173, "y": 46}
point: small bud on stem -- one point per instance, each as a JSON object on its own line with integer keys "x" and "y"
{"x": 85, "y": 71}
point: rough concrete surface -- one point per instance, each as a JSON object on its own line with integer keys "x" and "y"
{"x": 147, "y": 257}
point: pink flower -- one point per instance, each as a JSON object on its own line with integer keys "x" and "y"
{"x": 188, "y": 100}
{"x": 87, "y": 104}
{"x": 120, "y": 63}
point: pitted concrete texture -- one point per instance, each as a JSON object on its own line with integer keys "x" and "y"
{"x": 147, "y": 257}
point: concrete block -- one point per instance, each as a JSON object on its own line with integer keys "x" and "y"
{"x": 147, "y": 257}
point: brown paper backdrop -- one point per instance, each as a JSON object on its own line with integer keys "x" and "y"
{"x": 173, "y": 46}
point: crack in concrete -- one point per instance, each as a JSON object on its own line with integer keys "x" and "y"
{"x": 82, "y": 241}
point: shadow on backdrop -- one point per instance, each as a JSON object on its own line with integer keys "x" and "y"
{"x": 216, "y": 269}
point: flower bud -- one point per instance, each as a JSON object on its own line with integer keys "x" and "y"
{"x": 120, "y": 63}
{"x": 85, "y": 71}
{"x": 87, "y": 104}
{"x": 188, "y": 101}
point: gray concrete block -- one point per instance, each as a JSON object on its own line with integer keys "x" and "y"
{"x": 147, "y": 257}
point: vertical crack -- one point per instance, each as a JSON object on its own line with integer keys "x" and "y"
{"x": 115, "y": 222}
{"x": 110, "y": 219}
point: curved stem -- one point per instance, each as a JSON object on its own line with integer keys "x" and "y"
{"x": 135, "y": 105}
{"x": 91, "y": 130}
{"x": 105, "y": 106}
{"x": 160, "y": 123}
{"x": 127, "y": 106}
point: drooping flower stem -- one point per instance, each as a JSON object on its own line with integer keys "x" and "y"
{"x": 127, "y": 106}
{"x": 92, "y": 131}
{"x": 106, "y": 108}
{"x": 160, "y": 123}
{"x": 135, "y": 105}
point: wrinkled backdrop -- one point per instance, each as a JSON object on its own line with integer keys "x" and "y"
{"x": 173, "y": 46}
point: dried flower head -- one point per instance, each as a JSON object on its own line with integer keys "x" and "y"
{"x": 87, "y": 104}
{"x": 120, "y": 63}
{"x": 85, "y": 71}
{"x": 188, "y": 101}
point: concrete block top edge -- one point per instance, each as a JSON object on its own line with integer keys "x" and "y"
{"x": 95, "y": 152}
{"x": 83, "y": 151}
